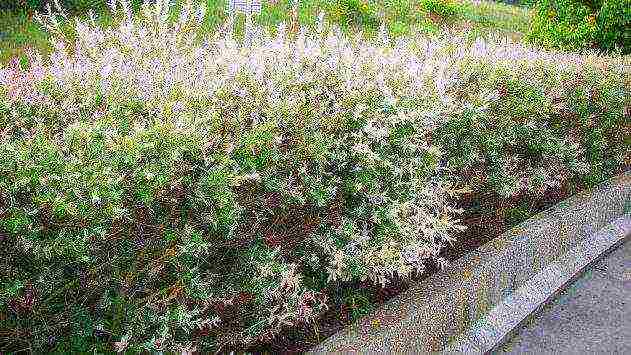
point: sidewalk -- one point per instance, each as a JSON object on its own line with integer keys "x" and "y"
{"x": 592, "y": 316}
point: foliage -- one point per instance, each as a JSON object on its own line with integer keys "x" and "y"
{"x": 445, "y": 9}
{"x": 159, "y": 192}
{"x": 354, "y": 12}
{"x": 534, "y": 127}
{"x": 71, "y": 5}
{"x": 524, "y": 3}
{"x": 401, "y": 17}
{"x": 518, "y": 214}
{"x": 573, "y": 24}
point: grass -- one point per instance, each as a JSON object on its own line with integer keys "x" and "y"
{"x": 487, "y": 16}
{"x": 20, "y": 32}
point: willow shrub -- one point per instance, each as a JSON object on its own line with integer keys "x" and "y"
{"x": 164, "y": 192}
{"x": 161, "y": 193}
{"x": 531, "y": 122}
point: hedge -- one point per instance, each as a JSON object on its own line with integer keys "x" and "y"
{"x": 163, "y": 193}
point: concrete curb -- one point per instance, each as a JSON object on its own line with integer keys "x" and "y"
{"x": 457, "y": 302}
{"x": 505, "y": 319}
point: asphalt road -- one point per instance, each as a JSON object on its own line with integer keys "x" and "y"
{"x": 592, "y": 316}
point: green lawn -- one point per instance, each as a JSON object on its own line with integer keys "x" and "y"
{"x": 488, "y": 16}
{"x": 20, "y": 32}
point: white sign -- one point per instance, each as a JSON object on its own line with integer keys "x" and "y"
{"x": 244, "y": 6}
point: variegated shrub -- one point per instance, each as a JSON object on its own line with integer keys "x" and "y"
{"x": 178, "y": 193}
{"x": 160, "y": 191}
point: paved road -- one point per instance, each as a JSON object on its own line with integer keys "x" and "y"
{"x": 592, "y": 316}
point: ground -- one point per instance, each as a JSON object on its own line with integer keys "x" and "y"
{"x": 590, "y": 316}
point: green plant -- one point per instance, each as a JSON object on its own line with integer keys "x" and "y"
{"x": 518, "y": 214}
{"x": 354, "y": 12}
{"x": 531, "y": 132}
{"x": 161, "y": 191}
{"x": 573, "y": 24}
{"x": 613, "y": 22}
{"x": 70, "y": 5}
{"x": 158, "y": 192}
{"x": 358, "y": 304}
{"x": 447, "y": 10}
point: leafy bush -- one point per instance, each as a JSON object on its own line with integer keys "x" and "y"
{"x": 444, "y": 9}
{"x": 400, "y": 9}
{"x": 573, "y": 24}
{"x": 537, "y": 127}
{"x": 354, "y": 12}
{"x": 159, "y": 193}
